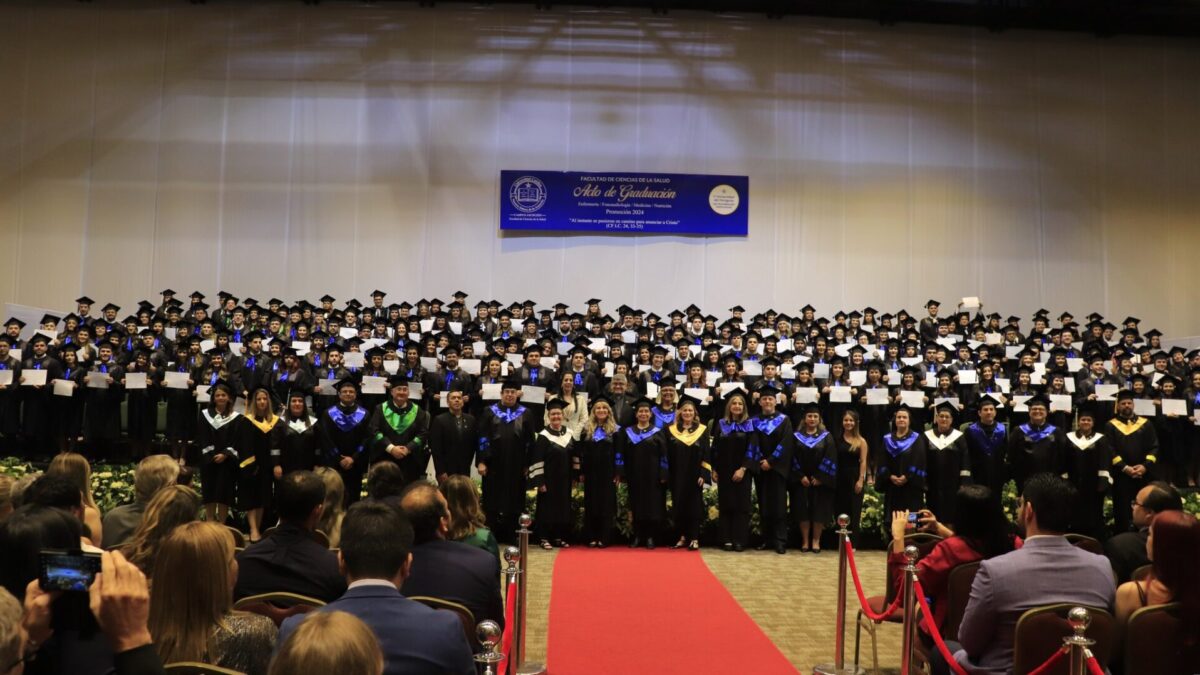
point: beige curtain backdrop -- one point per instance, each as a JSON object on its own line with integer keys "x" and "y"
{"x": 291, "y": 150}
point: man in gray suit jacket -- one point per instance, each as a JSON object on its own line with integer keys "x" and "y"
{"x": 1045, "y": 571}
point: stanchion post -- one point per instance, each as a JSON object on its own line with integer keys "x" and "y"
{"x": 512, "y": 556}
{"x": 489, "y": 634}
{"x": 518, "y": 656}
{"x": 910, "y": 610}
{"x": 1079, "y": 619}
{"x": 838, "y": 667}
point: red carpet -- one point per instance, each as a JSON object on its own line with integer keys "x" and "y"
{"x": 622, "y": 611}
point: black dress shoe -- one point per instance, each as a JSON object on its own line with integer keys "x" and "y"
{"x": 727, "y": 546}
{"x": 761, "y": 547}
{"x": 635, "y": 542}
{"x": 738, "y": 548}
{"x": 650, "y": 543}
{"x": 781, "y": 550}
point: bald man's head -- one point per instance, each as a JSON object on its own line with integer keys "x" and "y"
{"x": 427, "y": 510}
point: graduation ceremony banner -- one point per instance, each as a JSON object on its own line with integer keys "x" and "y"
{"x": 624, "y": 203}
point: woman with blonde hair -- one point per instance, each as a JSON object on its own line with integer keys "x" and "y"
{"x": 334, "y": 511}
{"x": 326, "y": 642}
{"x": 598, "y": 464}
{"x": 467, "y": 522}
{"x": 191, "y": 603}
{"x": 169, "y": 508}
{"x": 75, "y": 468}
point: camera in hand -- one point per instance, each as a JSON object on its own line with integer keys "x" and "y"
{"x": 67, "y": 570}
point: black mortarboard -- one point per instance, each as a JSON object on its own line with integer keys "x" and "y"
{"x": 555, "y": 404}
{"x": 14, "y": 321}
{"x": 932, "y": 303}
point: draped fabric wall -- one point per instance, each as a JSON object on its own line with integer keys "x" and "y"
{"x": 291, "y": 150}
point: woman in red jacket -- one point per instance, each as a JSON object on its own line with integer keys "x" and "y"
{"x": 981, "y": 532}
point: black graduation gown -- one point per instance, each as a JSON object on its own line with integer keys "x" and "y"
{"x": 598, "y": 462}
{"x": 902, "y": 457}
{"x": 323, "y": 402}
{"x": 1088, "y": 462}
{"x": 1172, "y": 446}
{"x": 642, "y": 463}
{"x": 815, "y": 457}
{"x": 300, "y": 446}
{"x": 345, "y": 432}
{"x": 1134, "y": 442}
{"x": 987, "y": 452}
{"x": 66, "y": 412}
{"x": 730, "y": 451}
{"x": 873, "y": 421}
{"x": 947, "y": 458}
{"x": 181, "y": 403}
{"x": 257, "y": 450}
{"x": 1033, "y": 451}
{"x": 102, "y": 407}
{"x": 551, "y": 464}
{"x": 283, "y": 382}
{"x": 141, "y": 407}
{"x": 505, "y": 437}
{"x": 453, "y": 442}
{"x": 408, "y": 427}
{"x": 687, "y": 463}
{"x": 832, "y": 413}
{"x": 35, "y": 409}
{"x": 10, "y": 398}
{"x": 218, "y": 436}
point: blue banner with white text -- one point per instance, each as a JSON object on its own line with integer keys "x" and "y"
{"x": 659, "y": 203}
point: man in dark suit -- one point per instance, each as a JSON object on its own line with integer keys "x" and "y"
{"x": 449, "y": 570}
{"x": 1045, "y": 571}
{"x": 290, "y": 559}
{"x": 376, "y": 556}
{"x": 1127, "y": 550}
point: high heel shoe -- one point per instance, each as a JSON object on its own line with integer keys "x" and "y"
{"x": 680, "y": 544}
{"x": 694, "y": 545}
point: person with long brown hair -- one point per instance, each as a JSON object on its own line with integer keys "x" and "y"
{"x": 191, "y": 603}
{"x": 335, "y": 510}
{"x": 327, "y": 642}
{"x": 853, "y": 451}
{"x": 1173, "y": 548}
{"x": 261, "y": 442}
{"x": 467, "y": 522}
{"x": 75, "y": 468}
{"x": 169, "y": 508}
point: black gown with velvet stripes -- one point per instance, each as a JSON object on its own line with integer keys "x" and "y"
{"x": 552, "y": 465}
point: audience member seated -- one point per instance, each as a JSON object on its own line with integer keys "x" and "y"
{"x": 173, "y": 506}
{"x": 981, "y": 533}
{"x": 467, "y": 522}
{"x": 290, "y": 560}
{"x": 151, "y": 475}
{"x": 334, "y": 511}
{"x": 385, "y": 481}
{"x": 1173, "y": 547}
{"x": 1127, "y": 550}
{"x": 119, "y": 604}
{"x": 191, "y": 600}
{"x": 74, "y": 467}
{"x": 1045, "y": 571}
{"x": 75, "y": 647}
{"x": 329, "y": 642}
{"x": 6, "y": 496}
{"x": 20, "y": 486}
{"x": 448, "y": 570}
{"x": 59, "y": 493}
{"x": 376, "y": 557}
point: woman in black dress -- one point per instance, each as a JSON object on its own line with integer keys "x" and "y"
{"x": 301, "y": 443}
{"x": 68, "y": 410}
{"x": 731, "y": 462}
{"x": 141, "y": 405}
{"x": 853, "y": 451}
{"x": 261, "y": 442}
{"x": 687, "y": 455}
{"x": 812, "y": 478}
{"x": 554, "y": 462}
{"x": 217, "y": 443}
{"x": 597, "y": 455}
{"x": 181, "y": 403}
{"x": 642, "y": 462}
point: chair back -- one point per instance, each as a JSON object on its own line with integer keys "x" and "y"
{"x": 1040, "y": 632}
{"x": 239, "y": 539}
{"x": 197, "y": 668}
{"x": 1142, "y": 573}
{"x": 1089, "y": 544}
{"x": 924, "y": 541}
{"x": 1153, "y": 641}
{"x": 465, "y": 616}
{"x": 278, "y": 606}
{"x": 958, "y": 591}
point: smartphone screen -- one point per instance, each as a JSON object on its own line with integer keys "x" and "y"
{"x": 68, "y": 570}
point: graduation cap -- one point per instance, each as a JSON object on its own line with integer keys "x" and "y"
{"x": 200, "y": 306}
{"x": 377, "y": 293}
{"x": 555, "y": 404}
{"x": 397, "y": 380}
{"x": 932, "y": 303}
{"x": 50, "y": 318}
{"x": 1152, "y": 333}
{"x": 532, "y": 349}
{"x": 593, "y": 301}
{"x": 1125, "y": 395}
{"x": 737, "y": 308}
{"x": 196, "y": 295}
{"x": 405, "y": 305}
{"x": 946, "y": 406}
{"x": 328, "y": 298}
{"x": 643, "y": 402}
{"x": 1038, "y": 399}
{"x": 733, "y": 392}
{"x": 460, "y": 295}
{"x": 14, "y": 321}
{"x": 807, "y": 308}
{"x": 1131, "y": 320}
{"x": 512, "y": 382}
{"x": 111, "y": 306}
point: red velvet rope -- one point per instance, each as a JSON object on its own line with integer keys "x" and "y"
{"x": 1050, "y": 662}
{"x": 510, "y": 608}
{"x": 932, "y": 629}
{"x": 862, "y": 598}
{"x": 1094, "y": 665}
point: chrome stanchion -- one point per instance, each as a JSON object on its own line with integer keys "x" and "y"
{"x": 910, "y": 610}
{"x": 524, "y": 667}
{"x": 839, "y": 667}
{"x": 489, "y": 635}
{"x": 512, "y": 556}
{"x": 1079, "y": 619}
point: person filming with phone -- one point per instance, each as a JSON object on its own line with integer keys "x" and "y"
{"x": 981, "y": 532}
